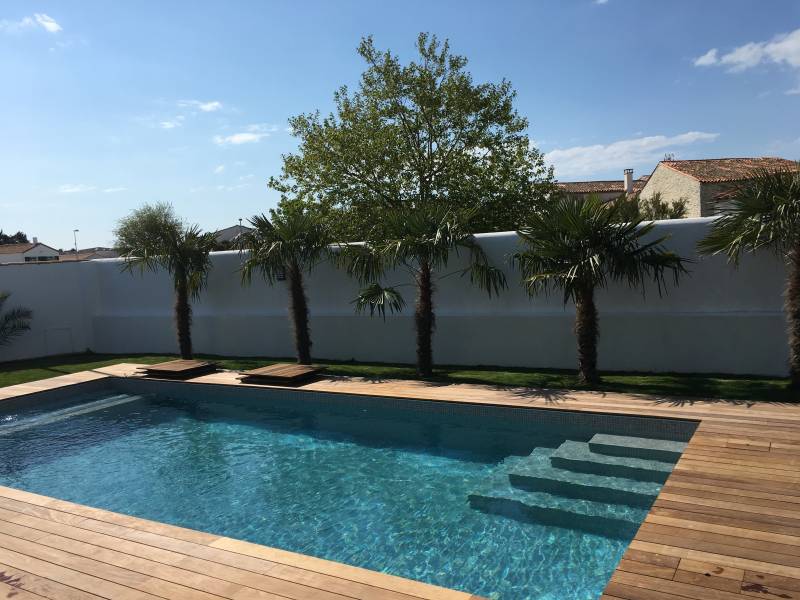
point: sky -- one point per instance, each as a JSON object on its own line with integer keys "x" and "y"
{"x": 107, "y": 105}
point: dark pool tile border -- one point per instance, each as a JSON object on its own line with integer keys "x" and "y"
{"x": 650, "y": 426}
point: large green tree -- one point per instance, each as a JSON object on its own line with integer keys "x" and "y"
{"x": 153, "y": 238}
{"x": 284, "y": 246}
{"x": 420, "y": 242}
{"x": 578, "y": 246}
{"x": 764, "y": 213}
{"x": 413, "y": 134}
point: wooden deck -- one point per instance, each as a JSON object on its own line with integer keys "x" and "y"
{"x": 726, "y": 525}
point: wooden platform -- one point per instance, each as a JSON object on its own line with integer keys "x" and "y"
{"x": 281, "y": 373}
{"x": 179, "y": 369}
{"x": 726, "y": 525}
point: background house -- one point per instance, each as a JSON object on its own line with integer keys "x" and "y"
{"x": 605, "y": 189}
{"x": 225, "y": 238}
{"x": 231, "y": 233}
{"x": 703, "y": 183}
{"x": 89, "y": 254}
{"x": 29, "y": 252}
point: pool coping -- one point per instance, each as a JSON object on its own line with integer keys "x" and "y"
{"x": 723, "y": 526}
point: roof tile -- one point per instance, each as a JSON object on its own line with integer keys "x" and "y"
{"x": 718, "y": 170}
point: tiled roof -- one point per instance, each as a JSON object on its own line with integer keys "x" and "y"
{"x": 15, "y": 248}
{"x": 616, "y": 186}
{"x": 717, "y": 170}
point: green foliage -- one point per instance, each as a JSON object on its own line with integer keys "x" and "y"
{"x": 575, "y": 244}
{"x": 13, "y": 322}
{"x": 17, "y": 238}
{"x": 153, "y": 237}
{"x": 293, "y": 235}
{"x": 415, "y": 134}
{"x": 655, "y": 208}
{"x": 377, "y": 299}
{"x": 762, "y": 212}
{"x": 417, "y": 240}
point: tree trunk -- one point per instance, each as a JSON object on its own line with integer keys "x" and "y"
{"x": 793, "y": 317}
{"x": 298, "y": 307}
{"x": 424, "y": 320}
{"x": 586, "y": 331}
{"x": 183, "y": 316}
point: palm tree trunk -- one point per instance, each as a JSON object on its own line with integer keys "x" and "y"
{"x": 793, "y": 317}
{"x": 298, "y": 307}
{"x": 183, "y": 316}
{"x": 424, "y": 321}
{"x": 586, "y": 330}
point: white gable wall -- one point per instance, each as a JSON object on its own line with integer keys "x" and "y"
{"x": 674, "y": 185}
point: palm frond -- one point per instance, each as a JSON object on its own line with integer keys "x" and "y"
{"x": 762, "y": 212}
{"x": 377, "y": 299}
{"x": 576, "y": 244}
{"x": 428, "y": 235}
{"x": 13, "y": 322}
{"x": 290, "y": 237}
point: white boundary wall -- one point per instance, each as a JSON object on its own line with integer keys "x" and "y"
{"x": 719, "y": 319}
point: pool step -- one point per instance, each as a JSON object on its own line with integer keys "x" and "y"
{"x": 578, "y": 457}
{"x": 599, "y": 518}
{"x": 637, "y": 447}
{"x": 535, "y": 473}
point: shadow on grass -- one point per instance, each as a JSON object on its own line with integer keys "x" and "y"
{"x": 551, "y": 384}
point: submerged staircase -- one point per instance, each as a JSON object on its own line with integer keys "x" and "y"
{"x": 604, "y": 486}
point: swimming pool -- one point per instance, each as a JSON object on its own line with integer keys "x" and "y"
{"x": 500, "y": 502}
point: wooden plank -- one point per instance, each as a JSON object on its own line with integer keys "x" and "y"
{"x": 42, "y": 586}
{"x": 8, "y": 590}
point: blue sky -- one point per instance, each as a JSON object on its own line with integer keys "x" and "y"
{"x": 107, "y": 105}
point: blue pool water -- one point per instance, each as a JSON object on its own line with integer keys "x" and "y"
{"x": 382, "y": 488}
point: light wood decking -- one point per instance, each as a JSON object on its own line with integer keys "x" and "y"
{"x": 726, "y": 525}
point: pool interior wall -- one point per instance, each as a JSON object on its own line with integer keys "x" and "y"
{"x": 417, "y": 488}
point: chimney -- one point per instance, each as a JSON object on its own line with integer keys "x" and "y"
{"x": 628, "y": 180}
{"x": 35, "y": 240}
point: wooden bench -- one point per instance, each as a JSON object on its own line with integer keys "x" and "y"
{"x": 179, "y": 369}
{"x": 281, "y": 373}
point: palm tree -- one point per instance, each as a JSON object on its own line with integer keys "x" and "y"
{"x": 420, "y": 241}
{"x": 577, "y": 246}
{"x": 153, "y": 238}
{"x": 291, "y": 242}
{"x": 14, "y": 322}
{"x": 764, "y": 213}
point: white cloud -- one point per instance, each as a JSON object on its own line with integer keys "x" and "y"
{"x": 172, "y": 123}
{"x": 582, "y": 160}
{"x": 708, "y": 59}
{"x": 42, "y": 20}
{"x": 232, "y": 188}
{"x": 219, "y": 169}
{"x": 783, "y": 49}
{"x": 47, "y": 22}
{"x": 75, "y": 188}
{"x": 211, "y": 106}
{"x": 252, "y": 134}
{"x": 793, "y": 91}
{"x": 17, "y": 26}
{"x": 114, "y": 190}
{"x": 238, "y": 138}
{"x": 601, "y": 1}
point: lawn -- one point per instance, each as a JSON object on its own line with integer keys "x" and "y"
{"x": 662, "y": 384}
